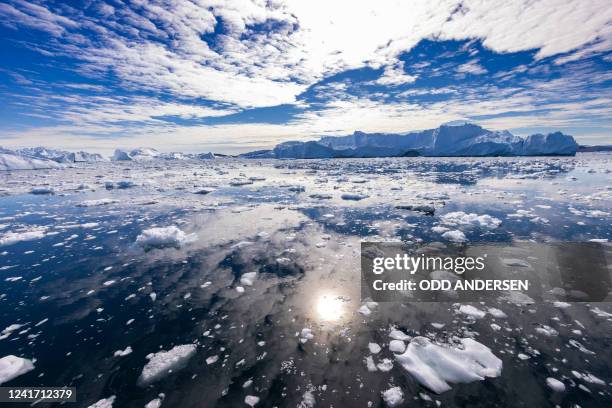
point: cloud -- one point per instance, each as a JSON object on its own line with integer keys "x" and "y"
{"x": 199, "y": 59}
{"x": 395, "y": 75}
{"x": 471, "y": 67}
{"x": 163, "y": 45}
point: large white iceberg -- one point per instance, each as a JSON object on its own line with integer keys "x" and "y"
{"x": 436, "y": 367}
{"x": 14, "y": 161}
{"x": 462, "y": 140}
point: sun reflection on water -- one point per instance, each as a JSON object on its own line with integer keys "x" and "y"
{"x": 330, "y": 307}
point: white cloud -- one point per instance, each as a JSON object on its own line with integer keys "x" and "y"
{"x": 159, "y": 46}
{"x": 311, "y": 39}
{"x": 394, "y": 75}
{"x": 471, "y": 67}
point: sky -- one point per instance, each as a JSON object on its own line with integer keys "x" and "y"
{"x": 232, "y": 76}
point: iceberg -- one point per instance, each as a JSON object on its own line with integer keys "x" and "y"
{"x": 462, "y": 140}
{"x": 59, "y": 156}
{"x": 14, "y": 161}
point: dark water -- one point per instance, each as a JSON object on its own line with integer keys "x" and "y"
{"x": 93, "y": 283}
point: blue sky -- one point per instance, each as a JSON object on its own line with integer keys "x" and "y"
{"x": 237, "y": 75}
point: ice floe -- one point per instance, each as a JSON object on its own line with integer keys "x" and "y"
{"x": 163, "y": 362}
{"x": 12, "y": 367}
{"x": 162, "y": 237}
{"x": 436, "y": 367}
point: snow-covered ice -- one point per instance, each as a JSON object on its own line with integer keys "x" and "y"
{"x": 163, "y": 362}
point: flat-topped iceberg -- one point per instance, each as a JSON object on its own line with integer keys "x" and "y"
{"x": 462, "y": 140}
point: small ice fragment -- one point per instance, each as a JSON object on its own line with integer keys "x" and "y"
{"x": 454, "y": 236}
{"x": 516, "y": 262}
{"x": 472, "y": 311}
{"x": 122, "y": 353}
{"x": 555, "y": 384}
{"x": 393, "y": 396}
{"x": 164, "y": 237}
{"x": 156, "y": 403}
{"x": 251, "y": 400}
{"x": 248, "y": 278}
{"x": 374, "y": 348}
{"x": 306, "y": 334}
{"x": 104, "y": 403}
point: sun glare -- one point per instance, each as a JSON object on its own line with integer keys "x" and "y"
{"x": 330, "y": 307}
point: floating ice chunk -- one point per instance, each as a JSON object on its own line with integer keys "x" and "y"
{"x": 251, "y": 400}
{"x": 475, "y": 220}
{"x": 240, "y": 182}
{"x": 370, "y": 365}
{"x": 320, "y": 196}
{"x": 393, "y": 396}
{"x": 239, "y": 289}
{"x": 364, "y": 310}
{"x": 11, "y": 238}
{"x": 454, "y": 236}
{"x": 555, "y": 384}
{"x": 308, "y": 400}
{"x": 385, "y": 365}
{"x": 248, "y": 278}
{"x": 163, "y": 362}
{"x": 9, "y": 330}
{"x": 546, "y": 330}
{"x": 163, "y": 237}
{"x": 590, "y": 378}
{"x": 104, "y": 403}
{"x": 497, "y": 313}
{"x": 153, "y": 296}
{"x": 97, "y": 203}
{"x": 600, "y": 313}
{"x": 122, "y": 353}
{"x": 438, "y": 229}
{"x": 427, "y": 209}
{"x": 580, "y": 347}
{"x": 13, "y": 366}
{"x": 42, "y": 191}
{"x": 353, "y": 196}
{"x": 398, "y": 335}
{"x": 397, "y": 346}
{"x": 561, "y": 305}
{"x": 212, "y": 360}
{"x": 374, "y": 348}
{"x": 156, "y": 403}
{"x": 515, "y": 262}
{"x": 472, "y": 311}
{"x": 436, "y": 366}
{"x": 306, "y": 334}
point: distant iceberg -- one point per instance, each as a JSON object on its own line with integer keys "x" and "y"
{"x": 461, "y": 140}
{"x": 13, "y": 161}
